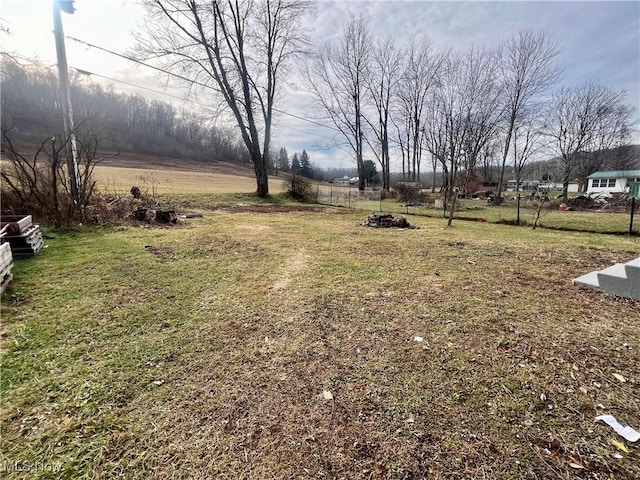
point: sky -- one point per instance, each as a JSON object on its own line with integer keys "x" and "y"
{"x": 600, "y": 41}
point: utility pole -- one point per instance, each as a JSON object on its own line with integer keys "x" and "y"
{"x": 65, "y": 90}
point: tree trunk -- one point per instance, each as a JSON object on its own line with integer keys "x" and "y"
{"x": 262, "y": 177}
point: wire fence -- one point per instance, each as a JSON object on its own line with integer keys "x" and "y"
{"x": 523, "y": 209}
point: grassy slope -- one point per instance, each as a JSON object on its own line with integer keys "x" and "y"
{"x": 167, "y": 181}
{"x": 247, "y": 317}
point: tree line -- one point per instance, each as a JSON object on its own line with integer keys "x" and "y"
{"x": 122, "y": 122}
{"x": 480, "y": 108}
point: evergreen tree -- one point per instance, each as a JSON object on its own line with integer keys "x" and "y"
{"x": 305, "y": 165}
{"x": 283, "y": 160}
{"x": 371, "y": 176}
{"x": 295, "y": 165}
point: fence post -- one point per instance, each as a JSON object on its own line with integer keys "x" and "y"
{"x": 331, "y": 195}
{"x": 633, "y": 207}
{"x": 349, "y": 197}
{"x": 318, "y": 195}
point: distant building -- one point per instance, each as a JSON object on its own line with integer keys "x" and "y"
{"x": 525, "y": 186}
{"x": 614, "y": 181}
{"x": 346, "y": 180}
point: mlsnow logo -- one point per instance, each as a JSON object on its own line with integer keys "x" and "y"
{"x": 32, "y": 467}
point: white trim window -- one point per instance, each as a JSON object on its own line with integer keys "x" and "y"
{"x": 603, "y": 183}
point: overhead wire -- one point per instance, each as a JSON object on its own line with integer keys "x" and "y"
{"x": 182, "y": 77}
{"x": 83, "y": 71}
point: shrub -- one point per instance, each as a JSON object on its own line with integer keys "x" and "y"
{"x": 38, "y": 183}
{"x": 408, "y": 191}
{"x": 299, "y": 188}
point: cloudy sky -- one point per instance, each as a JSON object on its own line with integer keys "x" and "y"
{"x": 600, "y": 42}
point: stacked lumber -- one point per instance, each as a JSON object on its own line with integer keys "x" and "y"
{"x": 24, "y": 237}
{"x": 6, "y": 263}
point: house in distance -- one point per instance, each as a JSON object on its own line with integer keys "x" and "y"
{"x": 613, "y": 181}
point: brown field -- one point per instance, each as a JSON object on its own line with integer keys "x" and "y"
{"x": 169, "y": 175}
{"x": 121, "y": 179}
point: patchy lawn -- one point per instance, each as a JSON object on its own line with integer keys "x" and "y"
{"x": 268, "y": 343}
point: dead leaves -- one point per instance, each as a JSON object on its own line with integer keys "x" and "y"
{"x": 327, "y": 395}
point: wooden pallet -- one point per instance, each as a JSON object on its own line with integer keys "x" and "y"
{"x": 28, "y": 242}
{"x": 6, "y": 264}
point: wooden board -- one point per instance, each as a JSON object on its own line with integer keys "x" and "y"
{"x": 5, "y": 253}
{"x": 6, "y": 270}
{"x": 5, "y": 281}
{"x": 16, "y": 224}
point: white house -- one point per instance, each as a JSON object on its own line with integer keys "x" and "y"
{"x": 614, "y": 181}
{"x": 346, "y": 180}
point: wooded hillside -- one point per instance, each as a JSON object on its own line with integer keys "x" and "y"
{"x": 123, "y": 122}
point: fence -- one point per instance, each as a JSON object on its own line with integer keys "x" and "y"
{"x": 513, "y": 211}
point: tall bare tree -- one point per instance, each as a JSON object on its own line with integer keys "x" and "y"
{"x": 465, "y": 117}
{"x": 527, "y": 69}
{"x": 421, "y": 76}
{"x": 240, "y": 48}
{"x": 583, "y": 119}
{"x": 385, "y": 74}
{"x": 482, "y": 97}
{"x": 337, "y": 78}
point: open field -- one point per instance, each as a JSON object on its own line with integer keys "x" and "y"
{"x": 280, "y": 342}
{"x": 170, "y": 176}
{"x": 166, "y": 181}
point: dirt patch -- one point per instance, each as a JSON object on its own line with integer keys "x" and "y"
{"x": 164, "y": 252}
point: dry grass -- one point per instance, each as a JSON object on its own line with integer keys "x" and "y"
{"x": 245, "y": 317}
{"x": 167, "y": 181}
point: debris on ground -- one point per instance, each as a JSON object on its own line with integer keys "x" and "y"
{"x": 386, "y": 221}
{"x": 615, "y": 201}
{"x": 166, "y": 216}
{"x": 148, "y": 215}
{"x": 627, "y": 432}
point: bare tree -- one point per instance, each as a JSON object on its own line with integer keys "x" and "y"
{"x": 527, "y": 70}
{"x": 239, "y": 48}
{"x": 608, "y": 149}
{"x": 337, "y": 78}
{"x": 583, "y": 119}
{"x": 385, "y": 74}
{"x": 39, "y": 183}
{"x": 465, "y": 117}
{"x": 482, "y": 98}
{"x": 489, "y": 160}
{"x": 527, "y": 142}
{"x": 421, "y": 76}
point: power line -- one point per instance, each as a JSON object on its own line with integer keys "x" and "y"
{"x": 90, "y": 73}
{"x": 87, "y": 72}
{"x": 181, "y": 77}
{"x": 279, "y": 125}
{"x": 83, "y": 71}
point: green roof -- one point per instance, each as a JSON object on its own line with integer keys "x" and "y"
{"x": 616, "y": 174}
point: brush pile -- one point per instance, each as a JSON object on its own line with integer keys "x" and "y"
{"x": 386, "y": 221}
